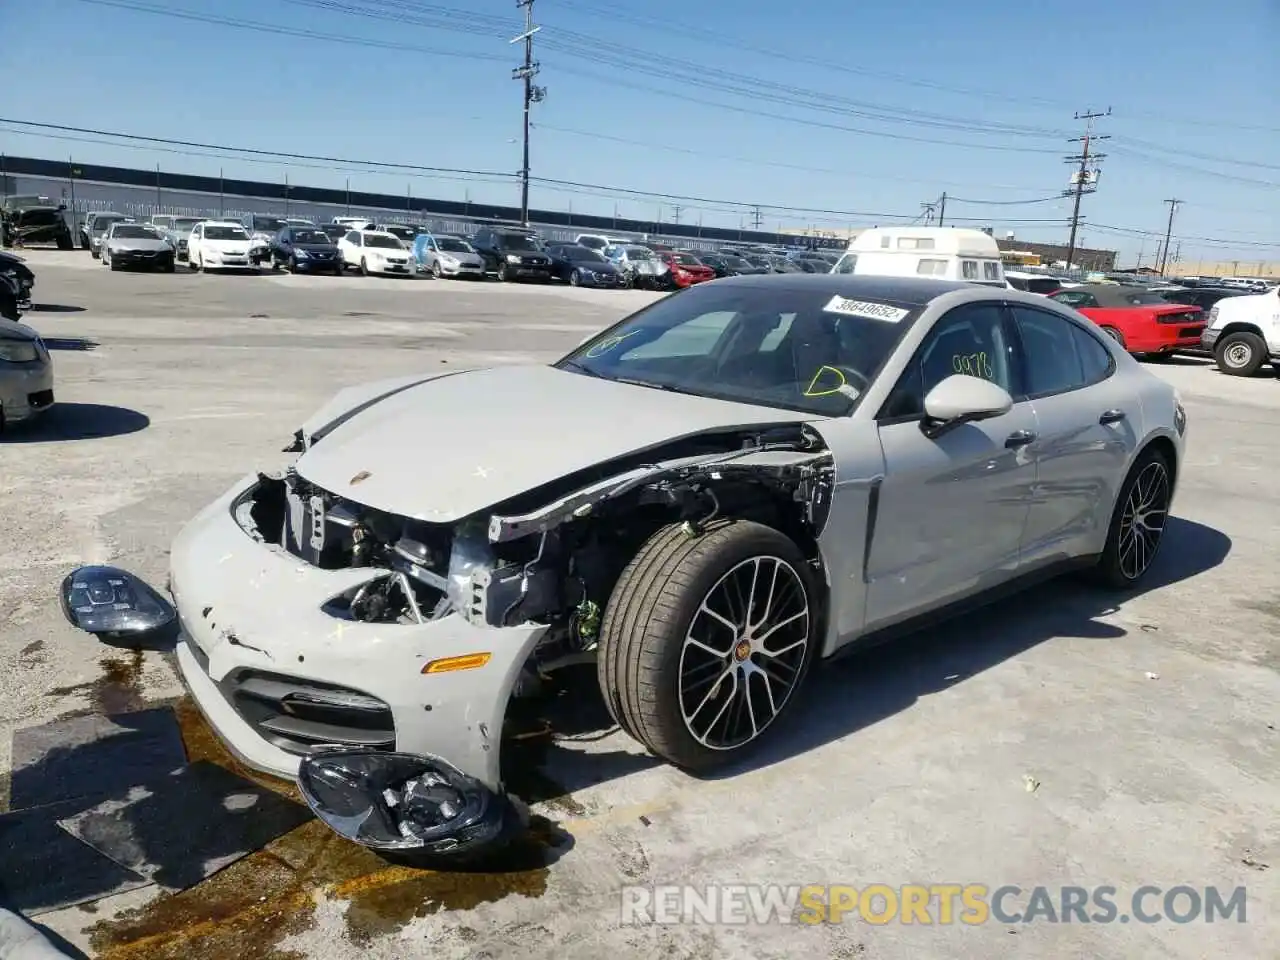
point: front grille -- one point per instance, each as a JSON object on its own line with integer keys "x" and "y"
{"x": 41, "y": 398}
{"x": 299, "y": 715}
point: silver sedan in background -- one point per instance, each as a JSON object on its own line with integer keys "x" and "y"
{"x": 26, "y": 375}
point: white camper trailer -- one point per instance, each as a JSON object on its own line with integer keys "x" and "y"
{"x": 947, "y": 253}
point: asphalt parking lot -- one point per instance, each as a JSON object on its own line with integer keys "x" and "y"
{"x": 1065, "y": 737}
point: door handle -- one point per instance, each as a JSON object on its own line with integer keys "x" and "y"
{"x": 1111, "y": 416}
{"x": 1019, "y": 438}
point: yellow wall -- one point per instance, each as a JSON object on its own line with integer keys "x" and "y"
{"x": 1227, "y": 268}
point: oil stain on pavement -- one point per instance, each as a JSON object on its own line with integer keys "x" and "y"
{"x": 247, "y": 910}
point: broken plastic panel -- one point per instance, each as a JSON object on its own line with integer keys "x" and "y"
{"x": 405, "y": 802}
{"x": 113, "y": 602}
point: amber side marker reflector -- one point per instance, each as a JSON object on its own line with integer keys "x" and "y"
{"x": 467, "y": 661}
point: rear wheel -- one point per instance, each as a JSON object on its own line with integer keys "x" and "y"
{"x": 1114, "y": 334}
{"x": 1241, "y": 354}
{"x": 705, "y": 640}
{"x": 1137, "y": 522}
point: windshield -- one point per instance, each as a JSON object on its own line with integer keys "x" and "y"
{"x": 404, "y": 233}
{"x": 595, "y": 243}
{"x": 452, "y": 245}
{"x": 686, "y": 260}
{"x": 797, "y": 349}
{"x": 225, "y": 233}
{"x": 310, "y": 236}
{"x": 639, "y": 253}
{"x": 512, "y": 241}
{"x": 184, "y": 224}
{"x": 733, "y": 261}
{"x": 134, "y": 231}
{"x": 1143, "y": 296}
{"x": 382, "y": 240}
{"x": 268, "y": 224}
{"x": 583, "y": 255}
{"x": 101, "y": 224}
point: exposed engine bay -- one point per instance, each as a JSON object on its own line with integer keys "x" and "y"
{"x": 552, "y": 555}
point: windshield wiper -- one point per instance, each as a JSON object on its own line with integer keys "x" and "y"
{"x": 583, "y": 368}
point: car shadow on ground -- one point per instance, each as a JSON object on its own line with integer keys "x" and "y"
{"x": 78, "y": 421}
{"x": 855, "y": 692}
{"x": 55, "y": 308}
{"x": 55, "y": 939}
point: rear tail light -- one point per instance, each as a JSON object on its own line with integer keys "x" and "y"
{"x": 1193, "y": 317}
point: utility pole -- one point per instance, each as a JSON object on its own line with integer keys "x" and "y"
{"x": 532, "y": 94}
{"x": 1085, "y": 179}
{"x": 928, "y": 212}
{"x": 1168, "y": 234}
{"x": 756, "y": 217}
{"x": 675, "y": 214}
{"x": 942, "y": 209}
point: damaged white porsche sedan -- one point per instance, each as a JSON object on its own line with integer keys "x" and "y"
{"x": 734, "y": 483}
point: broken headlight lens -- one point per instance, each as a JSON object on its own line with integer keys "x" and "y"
{"x": 111, "y": 601}
{"x": 400, "y": 801}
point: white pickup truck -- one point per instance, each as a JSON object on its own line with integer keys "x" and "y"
{"x": 1243, "y": 333}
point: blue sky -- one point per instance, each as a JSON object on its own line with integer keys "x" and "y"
{"x": 859, "y": 110}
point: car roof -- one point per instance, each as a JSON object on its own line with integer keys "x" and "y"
{"x": 1113, "y": 295}
{"x": 913, "y": 290}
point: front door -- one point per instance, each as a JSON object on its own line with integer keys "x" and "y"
{"x": 951, "y": 510}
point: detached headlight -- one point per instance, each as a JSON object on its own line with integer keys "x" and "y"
{"x": 512, "y": 258}
{"x": 18, "y": 351}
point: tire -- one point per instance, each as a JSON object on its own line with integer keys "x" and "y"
{"x": 65, "y": 242}
{"x": 1157, "y": 357}
{"x": 93, "y": 253}
{"x": 275, "y": 267}
{"x": 1240, "y": 354}
{"x": 436, "y": 271}
{"x": 110, "y": 261}
{"x": 9, "y": 307}
{"x": 575, "y": 279}
{"x": 293, "y": 264}
{"x": 1115, "y": 335}
{"x": 503, "y": 276}
{"x": 1116, "y": 568}
{"x": 170, "y": 267}
{"x": 201, "y": 267}
{"x": 659, "y": 599}
{"x": 364, "y": 268}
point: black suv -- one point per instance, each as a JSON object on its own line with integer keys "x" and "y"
{"x": 305, "y": 249}
{"x": 512, "y": 254}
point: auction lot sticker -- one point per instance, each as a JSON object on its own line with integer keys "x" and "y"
{"x": 861, "y": 308}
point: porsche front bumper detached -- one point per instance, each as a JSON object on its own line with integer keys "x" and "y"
{"x": 281, "y": 678}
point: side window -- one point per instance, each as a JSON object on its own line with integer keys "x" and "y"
{"x": 353, "y": 238}
{"x": 1074, "y": 299}
{"x": 991, "y": 271}
{"x": 969, "y": 269}
{"x": 1051, "y": 356}
{"x": 931, "y": 268}
{"x": 969, "y": 340}
{"x": 1094, "y": 357}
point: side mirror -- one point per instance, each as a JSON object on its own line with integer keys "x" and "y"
{"x": 108, "y": 601}
{"x": 963, "y": 399}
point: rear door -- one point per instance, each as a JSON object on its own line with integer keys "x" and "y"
{"x": 951, "y": 510}
{"x": 1085, "y": 433}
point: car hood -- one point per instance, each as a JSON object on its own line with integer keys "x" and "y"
{"x": 130, "y": 243}
{"x": 594, "y": 266}
{"x": 1247, "y": 307}
{"x": 228, "y": 246}
{"x": 11, "y": 330}
{"x": 461, "y": 257}
{"x": 449, "y": 447}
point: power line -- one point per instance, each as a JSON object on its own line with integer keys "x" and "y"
{"x": 298, "y": 32}
{"x": 843, "y": 172}
{"x": 1084, "y": 176}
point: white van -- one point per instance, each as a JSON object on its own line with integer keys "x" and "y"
{"x": 947, "y": 253}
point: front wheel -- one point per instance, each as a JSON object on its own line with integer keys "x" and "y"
{"x": 364, "y": 267}
{"x": 503, "y": 275}
{"x": 9, "y": 306}
{"x": 1137, "y": 522}
{"x": 705, "y": 640}
{"x": 1241, "y": 354}
{"x": 436, "y": 271}
{"x": 575, "y": 279}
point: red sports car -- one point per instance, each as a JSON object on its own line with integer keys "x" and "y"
{"x": 1141, "y": 321}
{"x": 686, "y": 269}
